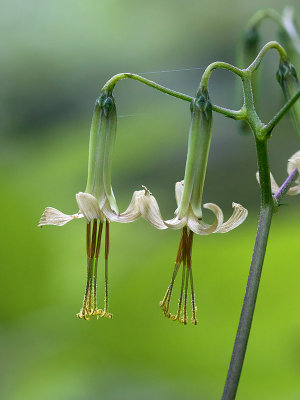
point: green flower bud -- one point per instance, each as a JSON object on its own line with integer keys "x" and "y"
{"x": 198, "y": 149}
{"x": 288, "y": 80}
{"x": 102, "y": 138}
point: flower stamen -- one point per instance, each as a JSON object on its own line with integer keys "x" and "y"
{"x": 165, "y": 303}
{"x": 93, "y": 241}
{"x": 105, "y": 312}
{"x": 189, "y": 266}
{"x": 184, "y": 257}
{"x": 95, "y": 311}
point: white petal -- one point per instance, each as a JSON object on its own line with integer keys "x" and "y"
{"x": 179, "y": 186}
{"x": 52, "y": 216}
{"x": 89, "y": 206}
{"x": 294, "y": 190}
{"x": 293, "y": 162}
{"x": 237, "y": 218}
{"x": 132, "y": 213}
{"x": 142, "y": 204}
{"x": 274, "y": 186}
{"x": 202, "y": 228}
{"x": 176, "y": 223}
{"x": 150, "y": 210}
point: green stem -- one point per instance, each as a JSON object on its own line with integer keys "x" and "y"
{"x": 215, "y": 65}
{"x": 245, "y": 322}
{"x": 110, "y": 84}
{"x": 274, "y": 121}
{"x": 260, "y": 15}
{"x": 263, "y": 52}
{"x": 126, "y": 75}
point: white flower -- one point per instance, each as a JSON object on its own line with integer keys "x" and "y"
{"x": 96, "y": 214}
{"x": 97, "y": 205}
{"x": 293, "y": 162}
{"x": 198, "y": 226}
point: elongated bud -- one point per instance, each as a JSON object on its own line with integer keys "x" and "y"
{"x": 102, "y": 137}
{"x": 111, "y": 129}
{"x": 288, "y": 80}
{"x": 198, "y": 149}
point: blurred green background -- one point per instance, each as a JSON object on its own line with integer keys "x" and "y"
{"x": 55, "y": 57}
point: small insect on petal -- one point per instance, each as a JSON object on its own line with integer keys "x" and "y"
{"x": 52, "y": 216}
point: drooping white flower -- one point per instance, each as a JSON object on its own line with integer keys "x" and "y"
{"x": 188, "y": 215}
{"x": 198, "y": 226}
{"x": 96, "y": 202}
{"x": 97, "y": 205}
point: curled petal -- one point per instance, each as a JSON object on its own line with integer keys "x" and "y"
{"x": 89, "y": 206}
{"x": 150, "y": 211}
{"x": 52, "y": 216}
{"x": 200, "y": 227}
{"x": 132, "y": 213}
{"x": 238, "y": 217}
{"x": 176, "y": 223}
{"x": 142, "y": 204}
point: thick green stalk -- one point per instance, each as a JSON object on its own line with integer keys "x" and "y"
{"x": 245, "y": 322}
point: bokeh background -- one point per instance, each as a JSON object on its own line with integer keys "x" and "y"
{"x": 55, "y": 57}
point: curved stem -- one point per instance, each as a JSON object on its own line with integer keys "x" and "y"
{"x": 215, "y": 65}
{"x": 237, "y": 115}
{"x": 269, "y": 46}
{"x": 110, "y": 84}
{"x": 260, "y": 15}
{"x": 246, "y": 317}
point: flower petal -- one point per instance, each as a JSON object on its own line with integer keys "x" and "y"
{"x": 294, "y": 190}
{"x": 293, "y": 162}
{"x": 150, "y": 210}
{"x": 142, "y": 204}
{"x": 89, "y": 206}
{"x": 237, "y": 218}
{"x": 179, "y": 186}
{"x": 52, "y": 216}
{"x": 176, "y": 223}
{"x": 132, "y": 213}
{"x": 200, "y": 227}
